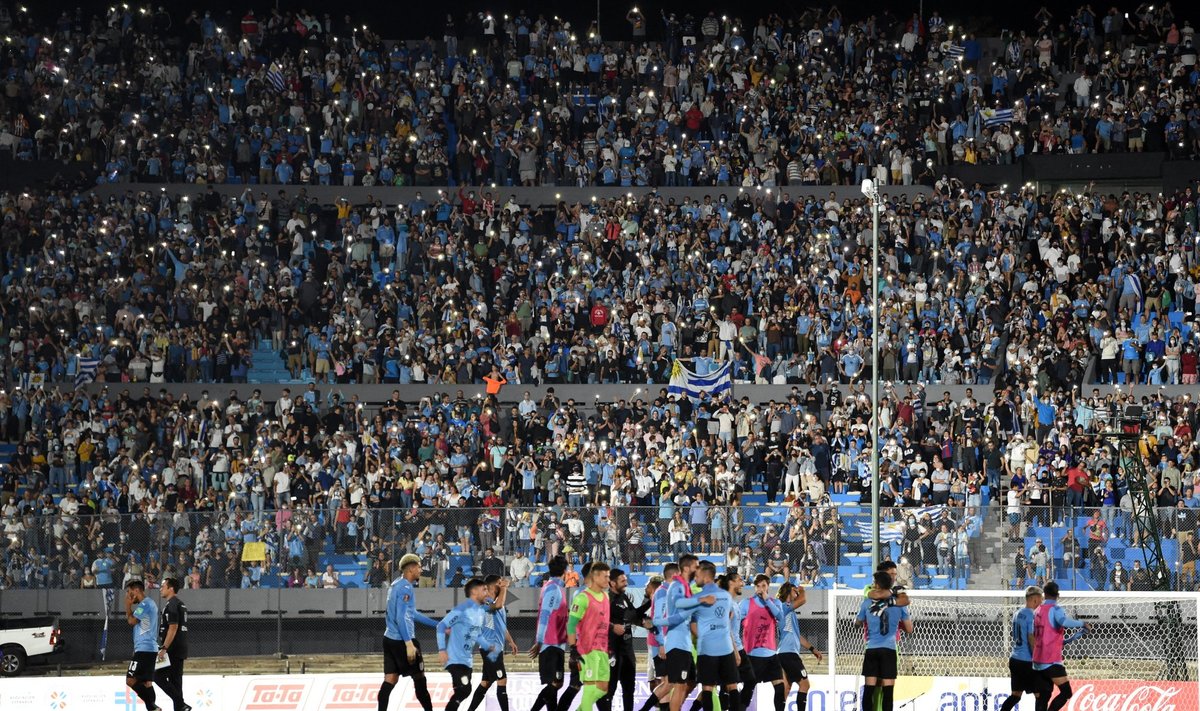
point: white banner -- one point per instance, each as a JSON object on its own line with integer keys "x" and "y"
{"x": 359, "y": 692}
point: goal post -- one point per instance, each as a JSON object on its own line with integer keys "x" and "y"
{"x": 1140, "y": 654}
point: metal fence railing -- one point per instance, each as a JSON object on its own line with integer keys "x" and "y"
{"x": 825, "y": 544}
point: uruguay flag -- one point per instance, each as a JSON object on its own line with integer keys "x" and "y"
{"x": 893, "y": 531}
{"x": 1132, "y": 285}
{"x": 889, "y": 531}
{"x": 86, "y": 372}
{"x": 275, "y": 76}
{"x": 687, "y": 382}
{"x": 955, "y": 51}
{"x": 996, "y": 117}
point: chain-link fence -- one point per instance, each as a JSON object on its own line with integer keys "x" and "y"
{"x": 312, "y": 582}
{"x": 821, "y": 545}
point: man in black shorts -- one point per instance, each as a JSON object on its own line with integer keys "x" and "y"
{"x": 173, "y": 635}
{"x": 681, "y": 664}
{"x": 716, "y": 663}
{"x": 732, "y": 583}
{"x": 549, "y": 646}
{"x": 660, "y": 688}
{"x": 759, "y": 625}
{"x": 496, "y": 629}
{"x": 881, "y": 620}
{"x": 1020, "y": 665}
{"x": 142, "y": 614}
{"x": 401, "y": 651}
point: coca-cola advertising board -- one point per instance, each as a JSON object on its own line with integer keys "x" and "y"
{"x": 358, "y": 692}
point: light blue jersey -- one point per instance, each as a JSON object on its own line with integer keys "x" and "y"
{"x": 789, "y": 629}
{"x": 1022, "y": 635}
{"x": 145, "y": 632}
{"x": 402, "y": 612}
{"x": 495, "y": 625}
{"x": 736, "y": 619}
{"x": 679, "y": 606}
{"x": 658, "y": 619}
{"x": 465, "y": 625}
{"x": 882, "y": 621}
{"x": 714, "y": 637}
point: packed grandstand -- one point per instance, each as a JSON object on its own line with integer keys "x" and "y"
{"x": 1065, "y": 307}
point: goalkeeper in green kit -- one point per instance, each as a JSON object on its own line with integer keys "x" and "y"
{"x": 587, "y": 635}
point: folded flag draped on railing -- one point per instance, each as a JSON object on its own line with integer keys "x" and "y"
{"x": 687, "y": 382}
{"x": 86, "y": 371}
{"x": 110, "y": 596}
{"x": 996, "y": 117}
{"x": 893, "y": 531}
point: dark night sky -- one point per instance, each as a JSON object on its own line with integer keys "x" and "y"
{"x": 415, "y": 19}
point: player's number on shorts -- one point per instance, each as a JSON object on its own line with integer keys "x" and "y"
{"x": 133, "y": 665}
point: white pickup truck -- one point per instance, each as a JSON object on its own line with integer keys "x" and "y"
{"x": 25, "y": 637}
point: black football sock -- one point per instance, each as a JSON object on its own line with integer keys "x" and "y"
{"x": 888, "y": 697}
{"x": 477, "y": 697}
{"x": 385, "y": 693}
{"x": 421, "y": 691}
{"x": 868, "y": 698}
{"x": 564, "y": 701}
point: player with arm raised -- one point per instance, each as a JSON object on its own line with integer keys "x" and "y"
{"x": 1050, "y": 624}
{"x": 656, "y": 640}
{"x": 1020, "y": 665}
{"x": 732, "y": 583}
{"x": 401, "y": 650}
{"x": 882, "y": 620}
{"x": 791, "y": 643}
{"x": 459, "y": 634}
{"x": 681, "y": 667}
{"x": 760, "y": 635}
{"x": 495, "y": 629}
{"x": 716, "y": 665}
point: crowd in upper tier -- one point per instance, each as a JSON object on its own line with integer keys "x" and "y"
{"x": 460, "y": 287}
{"x": 815, "y": 98}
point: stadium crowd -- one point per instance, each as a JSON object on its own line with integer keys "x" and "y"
{"x": 976, "y": 287}
{"x": 291, "y": 97}
{"x": 138, "y": 484}
{"x": 1028, "y": 292}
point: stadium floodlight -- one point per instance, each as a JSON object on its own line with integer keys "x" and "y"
{"x": 871, "y": 192}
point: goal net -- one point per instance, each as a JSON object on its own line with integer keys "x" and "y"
{"x": 1146, "y": 639}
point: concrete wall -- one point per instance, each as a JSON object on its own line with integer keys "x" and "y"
{"x": 584, "y": 395}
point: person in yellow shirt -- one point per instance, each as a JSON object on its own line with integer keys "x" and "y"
{"x": 86, "y": 450}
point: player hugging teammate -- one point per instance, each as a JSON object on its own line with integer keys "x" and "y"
{"x": 700, "y": 633}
